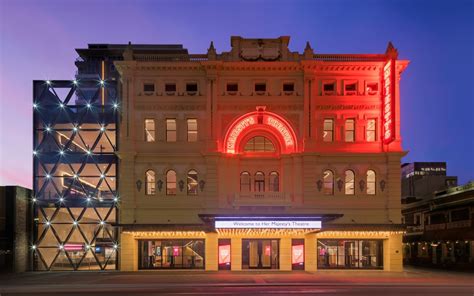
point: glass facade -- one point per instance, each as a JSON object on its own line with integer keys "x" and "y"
{"x": 260, "y": 254}
{"x": 340, "y": 253}
{"x": 171, "y": 254}
{"x": 75, "y": 175}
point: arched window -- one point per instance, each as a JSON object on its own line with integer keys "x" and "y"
{"x": 244, "y": 182}
{"x": 349, "y": 182}
{"x": 371, "y": 182}
{"x": 274, "y": 182}
{"x": 192, "y": 182}
{"x": 259, "y": 144}
{"x": 328, "y": 182}
{"x": 150, "y": 182}
{"x": 171, "y": 182}
{"x": 259, "y": 182}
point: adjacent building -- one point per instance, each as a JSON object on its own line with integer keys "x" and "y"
{"x": 441, "y": 229}
{"x": 254, "y": 158}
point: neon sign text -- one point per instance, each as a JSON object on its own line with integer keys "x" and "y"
{"x": 238, "y": 128}
{"x": 388, "y": 96}
{"x": 280, "y": 126}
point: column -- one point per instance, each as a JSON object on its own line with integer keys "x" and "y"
{"x": 128, "y": 253}
{"x": 392, "y": 253}
{"x": 236, "y": 253}
{"x": 310, "y": 253}
{"x": 285, "y": 253}
{"x": 211, "y": 251}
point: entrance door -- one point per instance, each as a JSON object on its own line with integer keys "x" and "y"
{"x": 260, "y": 254}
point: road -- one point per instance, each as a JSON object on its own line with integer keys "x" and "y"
{"x": 341, "y": 282}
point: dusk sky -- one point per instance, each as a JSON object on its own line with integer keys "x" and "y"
{"x": 38, "y": 38}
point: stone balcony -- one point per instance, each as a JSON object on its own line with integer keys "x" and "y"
{"x": 260, "y": 199}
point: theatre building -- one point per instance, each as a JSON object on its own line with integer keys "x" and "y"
{"x": 253, "y": 158}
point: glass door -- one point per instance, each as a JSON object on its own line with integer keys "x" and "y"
{"x": 260, "y": 254}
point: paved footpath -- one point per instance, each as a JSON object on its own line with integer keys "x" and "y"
{"x": 333, "y": 282}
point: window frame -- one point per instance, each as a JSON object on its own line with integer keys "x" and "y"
{"x": 374, "y": 130}
{"x": 146, "y": 131}
{"x": 326, "y": 182}
{"x": 272, "y": 183}
{"x": 374, "y": 182}
{"x": 168, "y": 182}
{"x": 260, "y": 182}
{"x": 346, "y": 130}
{"x": 249, "y": 182}
{"x": 332, "y": 129}
{"x": 145, "y": 84}
{"x": 189, "y": 131}
{"x": 169, "y": 131}
{"x": 150, "y": 184}
{"x": 347, "y": 181}
{"x": 188, "y": 182}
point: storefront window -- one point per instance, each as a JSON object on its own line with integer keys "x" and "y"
{"x": 171, "y": 254}
{"x": 366, "y": 254}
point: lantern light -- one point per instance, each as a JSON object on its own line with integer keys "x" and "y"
{"x": 33, "y": 247}
{"x": 61, "y": 152}
{"x": 75, "y": 176}
{"x": 89, "y": 152}
{"x": 88, "y": 105}
{"x": 48, "y": 82}
{"x": 102, "y": 176}
{"x": 61, "y": 105}
{"x": 48, "y": 129}
{"x": 102, "y": 222}
{"x": 102, "y": 128}
{"x": 33, "y": 199}
{"x": 115, "y": 246}
{"x": 35, "y": 106}
{"x": 61, "y": 199}
{"x": 48, "y": 176}
{"x": 74, "y": 128}
{"x": 115, "y": 105}
{"x": 61, "y": 247}
{"x": 88, "y": 199}
{"x": 102, "y": 82}
{"x": 74, "y": 222}
{"x": 48, "y": 223}
{"x": 74, "y": 81}
{"x": 34, "y": 152}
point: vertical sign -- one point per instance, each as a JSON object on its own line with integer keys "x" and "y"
{"x": 297, "y": 254}
{"x": 388, "y": 108}
{"x": 224, "y": 254}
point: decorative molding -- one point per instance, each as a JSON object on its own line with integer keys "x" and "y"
{"x": 244, "y": 107}
{"x": 347, "y": 107}
{"x": 166, "y": 107}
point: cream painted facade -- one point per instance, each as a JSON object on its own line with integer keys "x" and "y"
{"x": 292, "y": 120}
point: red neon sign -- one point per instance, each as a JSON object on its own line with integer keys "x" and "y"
{"x": 388, "y": 102}
{"x": 271, "y": 121}
{"x": 297, "y": 254}
{"x": 224, "y": 254}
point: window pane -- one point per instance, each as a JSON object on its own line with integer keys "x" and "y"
{"x": 149, "y": 87}
{"x": 170, "y": 87}
{"x": 349, "y": 182}
{"x": 349, "y": 130}
{"x": 274, "y": 182}
{"x": 259, "y": 144}
{"x": 192, "y": 130}
{"x": 371, "y": 182}
{"x": 171, "y": 130}
{"x": 192, "y": 182}
{"x": 150, "y": 183}
{"x": 149, "y": 130}
{"x": 259, "y": 182}
{"x": 245, "y": 182}
{"x": 328, "y": 130}
{"x": 171, "y": 182}
{"x": 232, "y": 87}
{"x": 370, "y": 130}
{"x": 328, "y": 183}
{"x": 191, "y": 87}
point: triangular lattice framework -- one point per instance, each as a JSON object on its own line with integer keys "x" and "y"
{"x": 75, "y": 178}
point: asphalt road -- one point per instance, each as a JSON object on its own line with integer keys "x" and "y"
{"x": 410, "y": 282}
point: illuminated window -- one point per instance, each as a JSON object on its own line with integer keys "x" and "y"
{"x": 349, "y": 128}
{"x": 259, "y": 144}
{"x": 328, "y": 132}
{"x": 170, "y": 130}
{"x": 232, "y": 87}
{"x": 150, "y": 182}
{"x": 370, "y": 131}
{"x": 288, "y": 87}
{"x": 260, "y": 87}
{"x": 274, "y": 182}
{"x": 171, "y": 182}
{"x": 259, "y": 182}
{"x": 170, "y": 87}
{"x": 150, "y": 130}
{"x": 149, "y": 87}
{"x": 371, "y": 182}
{"x": 349, "y": 182}
{"x": 245, "y": 182}
{"x": 192, "y": 182}
{"x": 328, "y": 182}
{"x": 191, "y": 87}
{"x": 192, "y": 130}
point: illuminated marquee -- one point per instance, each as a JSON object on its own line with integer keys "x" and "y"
{"x": 273, "y": 224}
{"x": 270, "y": 120}
{"x": 388, "y": 102}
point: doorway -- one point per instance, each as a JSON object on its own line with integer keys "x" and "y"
{"x": 260, "y": 254}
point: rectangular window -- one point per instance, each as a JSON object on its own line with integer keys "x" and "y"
{"x": 260, "y": 87}
{"x": 370, "y": 130}
{"x": 171, "y": 254}
{"x": 192, "y": 130}
{"x": 149, "y": 130}
{"x": 329, "y": 88}
{"x": 232, "y": 87}
{"x": 170, "y": 87}
{"x": 350, "y": 89}
{"x": 170, "y": 130}
{"x": 328, "y": 132}
{"x": 350, "y": 254}
{"x": 191, "y": 87}
{"x": 372, "y": 88}
{"x": 349, "y": 128}
{"x": 149, "y": 87}
{"x": 288, "y": 87}
{"x": 460, "y": 215}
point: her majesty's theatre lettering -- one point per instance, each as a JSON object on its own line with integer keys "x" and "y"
{"x": 268, "y": 224}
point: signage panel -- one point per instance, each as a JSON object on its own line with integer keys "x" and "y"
{"x": 388, "y": 108}
{"x": 276, "y": 224}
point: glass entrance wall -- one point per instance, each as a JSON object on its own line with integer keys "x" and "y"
{"x": 171, "y": 254}
{"x": 363, "y": 254}
{"x": 260, "y": 254}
